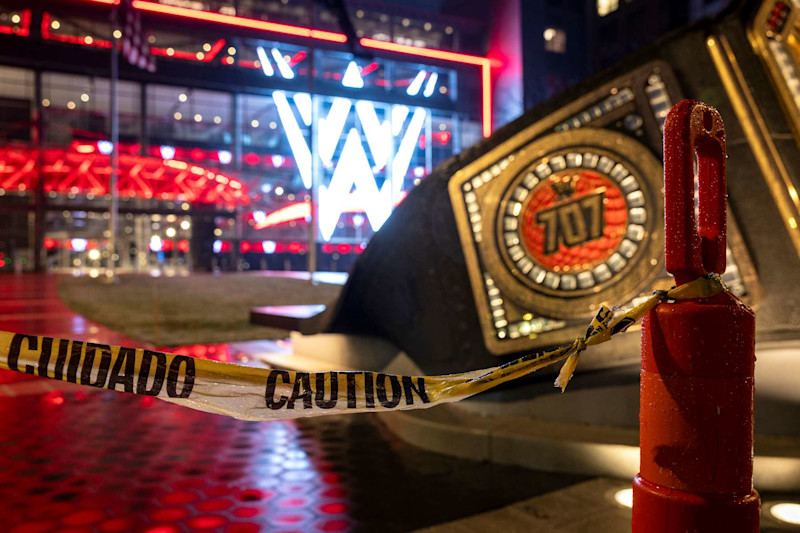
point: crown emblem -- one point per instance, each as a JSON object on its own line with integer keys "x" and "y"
{"x": 564, "y": 186}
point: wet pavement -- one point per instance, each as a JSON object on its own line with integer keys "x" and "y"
{"x": 83, "y": 460}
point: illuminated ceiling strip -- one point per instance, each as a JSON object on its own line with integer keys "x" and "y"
{"x": 416, "y": 85}
{"x": 297, "y": 141}
{"x": 431, "y": 85}
{"x": 378, "y": 134}
{"x": 79, "y": 169}
{"x": 444, "y": 55}
{"x": 241, "y": 22}
{"x": 402, "y": 159}
{"x": 266, "y": 66}
{"x": 283, "y": 67}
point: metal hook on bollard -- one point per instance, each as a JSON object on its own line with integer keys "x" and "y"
{"x": 698, "y": 356}
{"x": 695, "y": 212}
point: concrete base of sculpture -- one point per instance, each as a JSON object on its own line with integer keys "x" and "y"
{"x": 591, "y": 429}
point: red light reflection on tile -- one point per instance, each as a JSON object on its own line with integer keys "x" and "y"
{"x": 207, "y": 521}
{"x": 54, "y": 398}
{"x": 333, "y": 508}
{"x": 334, "y": 525}
{"x": 169, "y": 515}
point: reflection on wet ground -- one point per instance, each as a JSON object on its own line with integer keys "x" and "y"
{"x": 77, "y": 459}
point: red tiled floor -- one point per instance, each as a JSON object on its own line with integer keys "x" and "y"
{"x": 83, "y": 459}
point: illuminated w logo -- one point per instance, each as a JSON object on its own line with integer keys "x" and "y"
{"x": 353, "y": 171}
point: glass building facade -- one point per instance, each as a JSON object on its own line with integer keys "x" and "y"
{"x": 224, "y": 147}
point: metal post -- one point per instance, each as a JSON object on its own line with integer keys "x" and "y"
{"x": 113, "y": 206}
{"x": 39, "y": 195}
{"x": 235, "y": 111}
{"x": 315, "y": 168}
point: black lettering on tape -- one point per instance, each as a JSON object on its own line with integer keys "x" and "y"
{"x": 322, "y": 403}
{"x": 144, "y": 373}
{"x": 61, "y": 359}
{"x": 352, "y": 399}
{"x": 623, "y": 324}
{"x": 44, "y": 355}
{"x": 397, "y": 392}
{"x": 16, "y": 347}
{"x": 88, "y": 363}
{"x": 409, "y": 388}
{"x": 174, "y": 374}
{"x": 369, "y": 394}
{"x": 74, "y": 361}
{"x": 302, "y": 380}
{"x": 272, "y": 381}
{"x": 125, "y": 358}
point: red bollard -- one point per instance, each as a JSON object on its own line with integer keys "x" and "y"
{"x": 698, "y": 357}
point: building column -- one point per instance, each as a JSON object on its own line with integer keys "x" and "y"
{"x": 39, "y": 257}
{"x": 202, "y": 242}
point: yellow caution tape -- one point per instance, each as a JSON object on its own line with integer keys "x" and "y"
{"x": 266, "y": 394}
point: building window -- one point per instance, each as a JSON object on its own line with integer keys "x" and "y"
{"x": 555, "y": 40}
{"x": 76, "y": 108}
{"x": 16, "y": 103}
{"x": 190, "y": 125}
{"x": 276, "y": 158}
{"x": 604, "y": 7}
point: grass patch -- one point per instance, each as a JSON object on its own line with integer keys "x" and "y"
{"x": 200, "y": 308}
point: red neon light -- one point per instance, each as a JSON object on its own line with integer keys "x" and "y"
{"x": 432, "y": 53}
{"x": 71, "y": 39}
{"x": 241, "y": 22}
{"x": 442, "y": 136}
{"x": 369, "y": 69}
{"x": 206, "y": 57}
{"x": 302, "y": 211}
{"x": 68, "y": 170}
{"x": 297, "y": 58}
{"x": 486, "y": 93}
{"x": 343, "y": 248}
{"x": 23, "y": 29}
{"x": 444, "y": 55}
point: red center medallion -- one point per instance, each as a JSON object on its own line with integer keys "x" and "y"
{"x": 574, "y": 221}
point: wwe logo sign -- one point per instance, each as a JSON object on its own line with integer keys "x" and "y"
{"x": 391, "y": 146}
